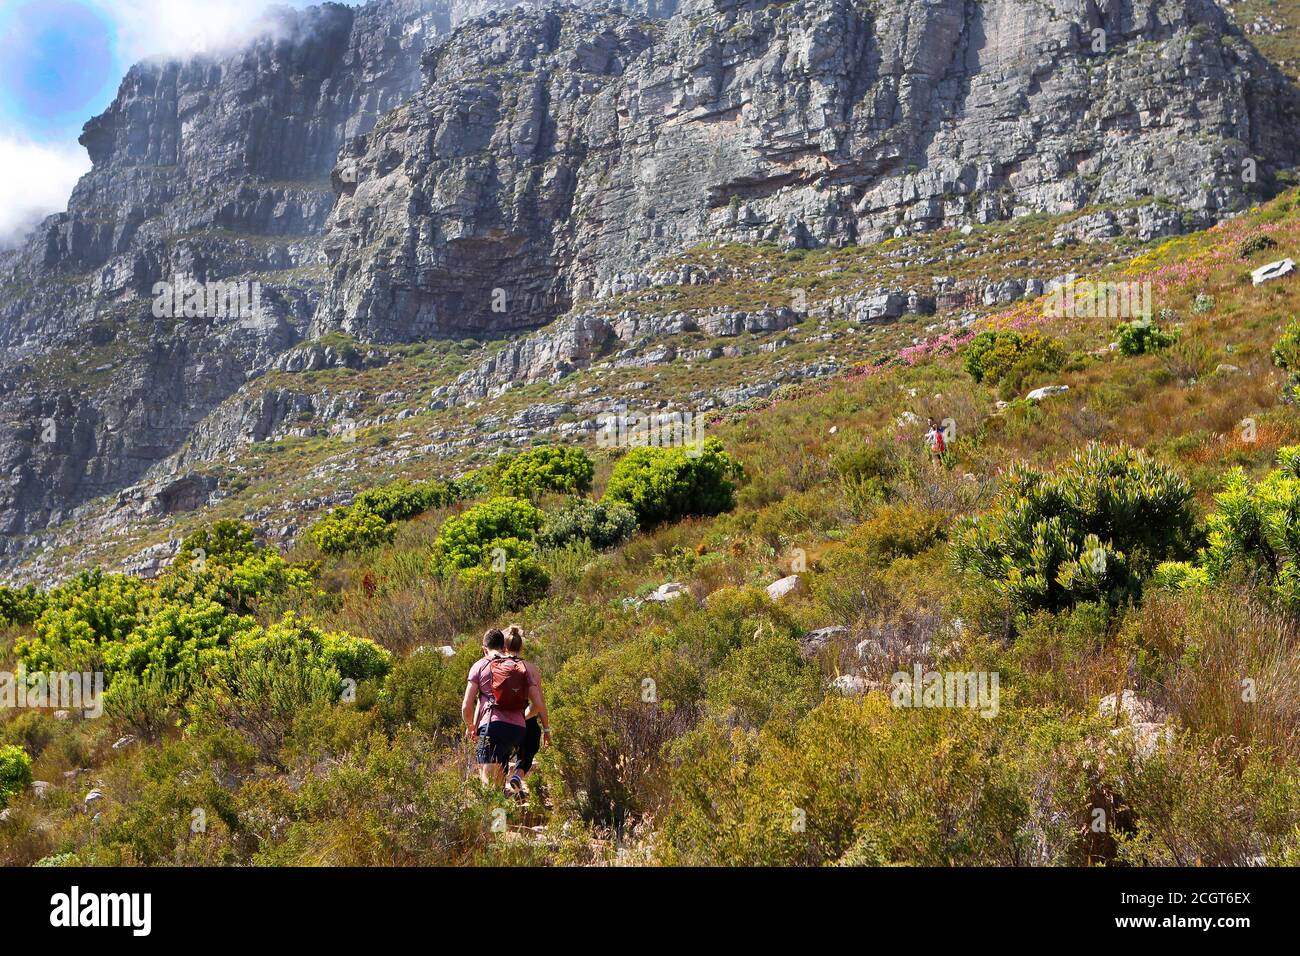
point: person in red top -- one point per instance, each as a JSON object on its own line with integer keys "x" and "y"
{"x": 934, "y": 440}
{"x": 537, "y": 729}
{"x": 497, "y": 692}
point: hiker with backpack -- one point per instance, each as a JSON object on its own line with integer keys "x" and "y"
{"x": 537, "y": 721}
{"x": 934, "y": 441}
{"x": 498, "y": 691}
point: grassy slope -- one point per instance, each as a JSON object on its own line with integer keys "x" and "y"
{"x": 275, "y": 475}
{"x": 1173, "y": 404}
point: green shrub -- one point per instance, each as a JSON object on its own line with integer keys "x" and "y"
{"x": 468, "y": 539}
{"x": 491, "y": 548}
{"x": 613, "y": 713}
{"x": 424, "y": 689}
{"x": 225, "y": 542}
{"x": 993, "y": 356}
{"x": 859, "y": 782}
{"x": 402, "y": 500}
{"x": 666, "y": 484}
{"x": 145, "y": 707}
{"x": 565, "y": 470}
{"x": 351, "y": 529}
{"x": 602, "y": 524}
{"x": 20, "y": 606}
{"x": 1178, "y": 794}
{"x": 1143, "y": 337}
{"x": 1255, "y": 244}
{"x": 867, "y": 473}
{"x": 15, "y": 772}
{"x": 1256, "y": 528}
{"x": 261, "y": 686}
{"x": 92, "y": 610}
{"x": 1178, "y": 576}
{"x": 1286, "y": 353}
{"x": 514, "y": 578}
{"x": 1092, "y": 530}
{"x": 898, "y": 531}
{"x": 354, "y": 658}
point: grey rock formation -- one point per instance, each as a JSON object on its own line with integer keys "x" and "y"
{"x": 216, "y": 168}
{"x": 382, "y": 172}
{"x": 549, "y": 153}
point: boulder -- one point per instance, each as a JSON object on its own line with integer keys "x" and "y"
{"x": 785, "y": 587}
{"x": 814, "y": 642}
{"x": 124, "y": 742}
{"x": 1138, "y": 716}
{"x": 40, "y": 787}
{"x": 1274, "y": 270}
{"x": 870, "y": 648}
{"x": 1038, "y": 394}
{"x": 850, "y": 685}
{"x": 1134, "y": 709}
{"x": 668, "y": 592}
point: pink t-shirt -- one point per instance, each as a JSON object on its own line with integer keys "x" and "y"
{"x": 481, "y": 674}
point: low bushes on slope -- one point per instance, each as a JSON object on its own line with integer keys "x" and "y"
{"x": 15, "y": 772}
{"x": 666, "y": 484}
{"x": 370, "y": 520}
{"x": 1093, "y": 529}
{"x": 532, "y": 473}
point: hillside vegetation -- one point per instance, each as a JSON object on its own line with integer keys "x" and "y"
{"x": 1123, "y": 555}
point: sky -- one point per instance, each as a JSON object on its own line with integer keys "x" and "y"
{"x": 60, "y": 64}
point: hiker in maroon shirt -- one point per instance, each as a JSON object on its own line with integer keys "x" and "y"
{"x": 497, "y": 693}
{"x": 537, "y": 729}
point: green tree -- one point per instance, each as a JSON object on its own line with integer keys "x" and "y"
{"x": 665, "y": 484}
{"x": 1094, "y": 529}
{"x": 15, "y": 772}
{"x": 565, "y": 470}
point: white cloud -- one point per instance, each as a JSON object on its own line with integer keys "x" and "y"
{"x": 174, "y": 28}
{"x": 35, "y": 178}
{"x": 35, "y": 181}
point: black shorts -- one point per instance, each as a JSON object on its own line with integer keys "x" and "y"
{"x": 531, "y": 743}
{"x": 498, "y": 741}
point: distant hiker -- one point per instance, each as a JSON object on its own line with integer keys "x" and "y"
{"x": 498, "y": 691}
{"x": 935, "y": 443}
{"x": 537, "y": 729}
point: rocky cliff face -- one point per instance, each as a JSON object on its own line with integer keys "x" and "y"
{"x": 547, "y": 158}
{"x": 380, "y": 172}
{"x": 217, "y": 168}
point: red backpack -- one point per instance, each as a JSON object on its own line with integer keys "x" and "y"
{"x": 509, "y": 683}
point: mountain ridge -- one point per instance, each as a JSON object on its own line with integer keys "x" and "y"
{"x": 599, "y": 119}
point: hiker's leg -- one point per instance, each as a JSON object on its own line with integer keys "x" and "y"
{"x": 528, "y": 749}
{"x": 503, "y": 740}
{"x": 484, "y": 756}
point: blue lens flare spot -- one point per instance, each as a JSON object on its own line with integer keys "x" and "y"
{"x": 56, "y": 62}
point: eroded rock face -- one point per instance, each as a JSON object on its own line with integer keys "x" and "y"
{"x": 215, "y": 168}
{"x": 550, "y": 154}
{"x": 382, "y": 172}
